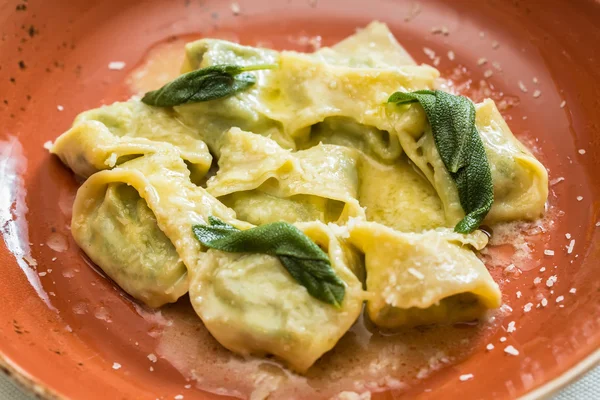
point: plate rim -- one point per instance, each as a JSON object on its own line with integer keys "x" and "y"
{"x": 32, "y": 386}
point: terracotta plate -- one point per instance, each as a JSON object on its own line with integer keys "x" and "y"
{"x": 66, "y": 331}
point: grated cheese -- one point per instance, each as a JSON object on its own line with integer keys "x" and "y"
{"x": 511, "y": 327}
{"x": 502, "y": 339}
{"x": 527, "y": 307}
{"x": 581, "y": 151}
{"x": 429, "y": 53}
{"x": 416, "y": 273}
{"x": 116, "y": 65}
{"x": 116, "y": 366}
{"x": 563, "y": 104}
{"x": 549, "y": 252}
{"x": 489, "y": 347}
{"x": 465, "y": 377}
{"x": 560, "y": 298}
{"x": 579, "y": 198}
{"x": 511, "y": 350}
{"x": 573, "y": 290}
{"x": 571, "y": 245}
{"x": 522, "y": 87}
{"x": 518, "y": 294}
{"x": 537, "y": 94}
{"x": 59, "y": 107}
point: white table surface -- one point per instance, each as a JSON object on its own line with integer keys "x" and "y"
{"x": 586, "y": 388}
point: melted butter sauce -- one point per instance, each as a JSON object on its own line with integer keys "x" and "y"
{"x": 365, "y": 359}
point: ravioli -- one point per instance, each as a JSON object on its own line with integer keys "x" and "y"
{"x": 134, "y": 222}
{"x": 315, "y": 184}
{"x": 423, "y": 278}
{"x": 372, "y": 47}
{"x": 520, "y": 180}
{"x": 399, "y": 196}
{"x": 251, "y": 304}
{"x": 301, "y": 92}
{"x": 110, "y": 135}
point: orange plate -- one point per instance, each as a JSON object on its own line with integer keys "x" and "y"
{"x": 55, "y": 334}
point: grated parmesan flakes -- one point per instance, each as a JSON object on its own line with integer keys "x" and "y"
{"x": 571, "y": 245}
{"x": 560, "y": 298}
{"x": 116, "y": 65}
{"x": 489, "y": 347}
{"x": 527, "y": 307}
{"x": 116, "y": 366}
{"x": 429, "y": 53}
{"x": 549, "y": 252}
{"x": 522, "y": 87}
{"x": 511, "y": 350}
{"x": 416, "y": 273}
{"x": 573, "y": 290}
{"x": 465, "y": 377}
{"x": 511, "y": 327}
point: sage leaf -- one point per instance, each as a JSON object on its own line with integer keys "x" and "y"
{"x": 210, "y": 83}
{"x": 300, "y": 256}
{"x": 452, "y": 121}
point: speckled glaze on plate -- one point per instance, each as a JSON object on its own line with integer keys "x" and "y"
{"x": 66, "y": 331}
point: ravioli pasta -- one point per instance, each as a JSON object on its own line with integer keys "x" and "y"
{"x": 107, "y": 136}
{"x": 520, "y": 181}
{"x": 423, "y": 278}
{"x": 320, "y": 183}
{"x": 251, "y": 306}
{"x": 312, "y": 143}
